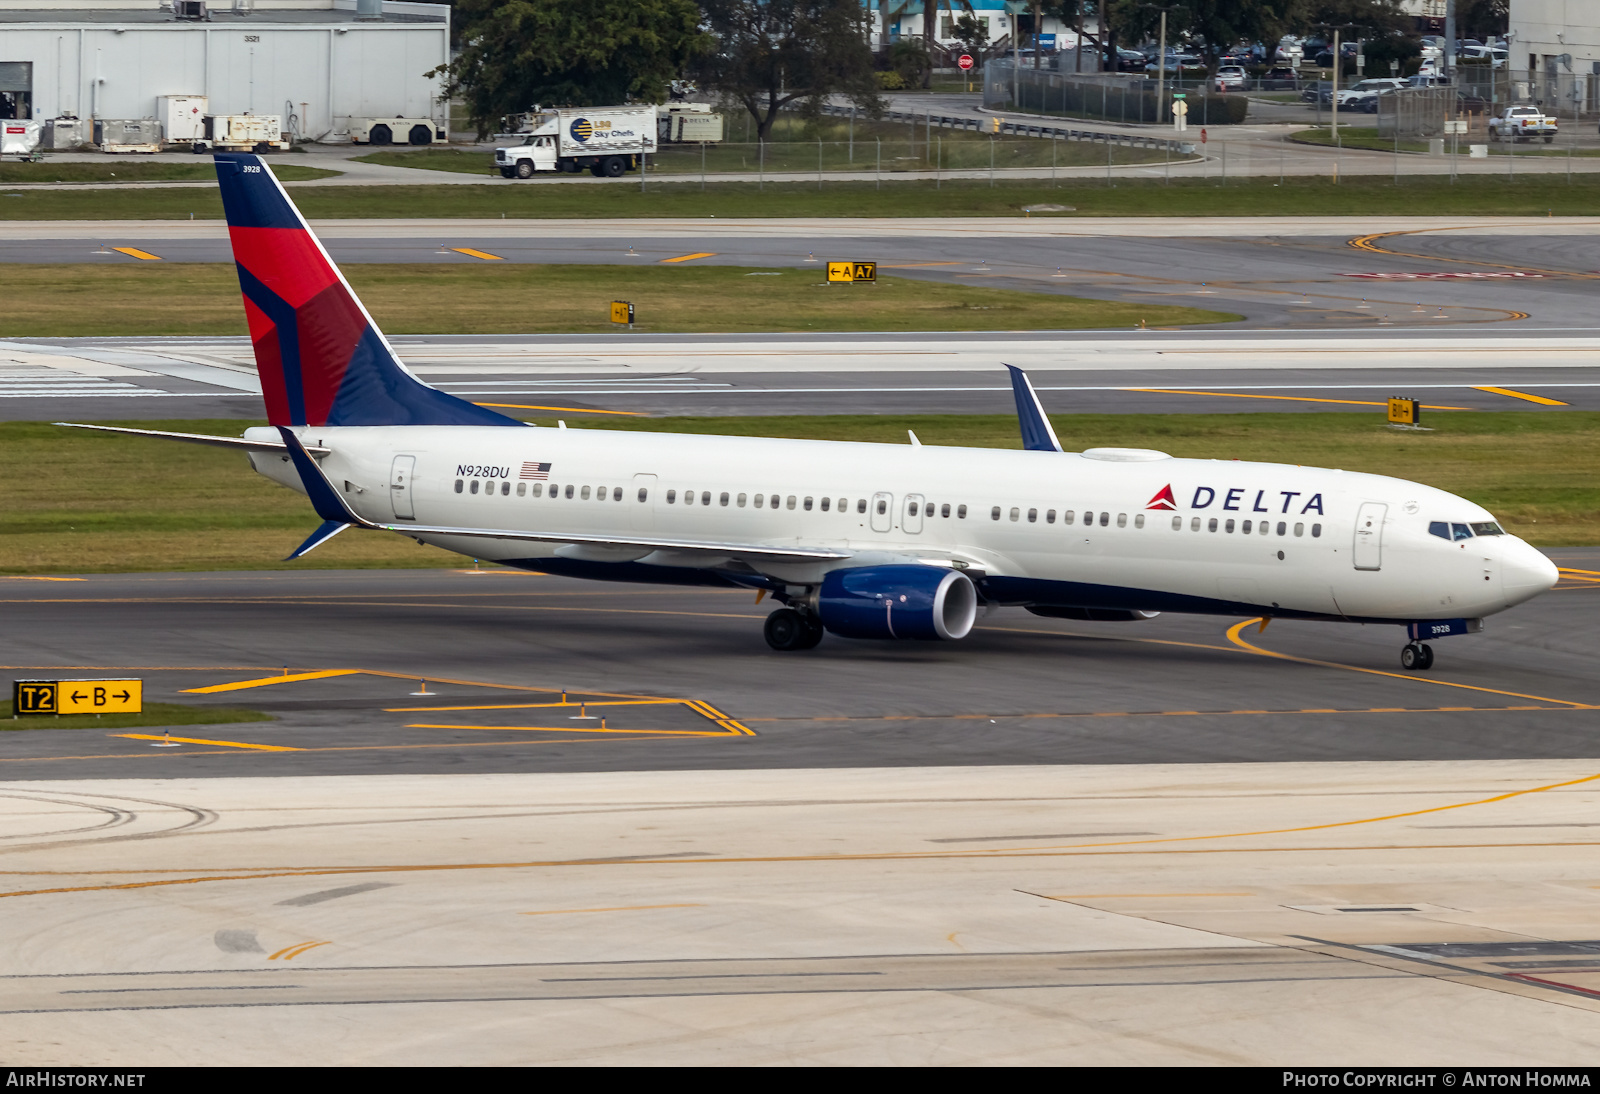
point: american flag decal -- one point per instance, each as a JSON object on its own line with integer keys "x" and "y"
{"x": 531, "y": 470}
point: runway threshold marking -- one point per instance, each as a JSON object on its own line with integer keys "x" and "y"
{"x": 1540, "y": 399}
{"x": 473, "y": 253}
{"x": 691, "y": 258}
{"x": 134, "y": 252}
{"x": 287, "y": 678}
{"x": 1234, "y": 636}
{"x": 567, "y": 409}
{"x": 202, "y": 741}
{"x": 1279, "y": 398}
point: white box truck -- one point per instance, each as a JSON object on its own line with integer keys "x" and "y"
{"x": 241, "y": 133}
{"x": 606, "y": 141}
{"x": 688, "y": 123}
{"x": 182, "y": 117}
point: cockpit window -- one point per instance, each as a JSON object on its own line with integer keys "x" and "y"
{"x": 1439, "y": 528}
{"x": 1460, "y": 531}
{"x": 1487, "y": 528}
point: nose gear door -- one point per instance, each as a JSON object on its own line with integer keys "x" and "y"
{"x": 400, "y": 473}
{"x": 1369, "y": 535}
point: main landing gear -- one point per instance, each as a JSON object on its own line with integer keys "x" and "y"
{"x": 787, "y": 629}
{"x": 1417, "y": 657}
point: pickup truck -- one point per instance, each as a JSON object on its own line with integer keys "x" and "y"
{"x": 1522, "y": 123}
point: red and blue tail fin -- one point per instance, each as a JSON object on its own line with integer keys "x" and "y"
{"x": 322, "y": 359}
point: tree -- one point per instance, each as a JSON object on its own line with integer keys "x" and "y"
{"x": 771, "y": 53}
{"x": 1211, "y": 26}
{"x": 1482, "y": 19}
{"x": 571, "y": 52}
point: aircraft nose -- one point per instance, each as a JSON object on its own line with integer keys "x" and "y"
{"x": 1526, "y": 573}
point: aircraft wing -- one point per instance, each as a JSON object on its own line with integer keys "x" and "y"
{"x": 336, "y": 516}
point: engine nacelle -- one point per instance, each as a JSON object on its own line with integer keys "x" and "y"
{"x": 898, "y": 602}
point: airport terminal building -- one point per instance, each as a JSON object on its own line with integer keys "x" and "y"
{"x": 322, "y": 61}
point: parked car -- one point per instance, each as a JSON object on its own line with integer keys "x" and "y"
{"x": 1280, "y": 78}
{"x": 1130, "y": 60}
{"x": 1232, "y": 78}
{"x": 1315, "y": 91}
{"x": 1428, "y": 79}
{"x": 1368, "y": 88}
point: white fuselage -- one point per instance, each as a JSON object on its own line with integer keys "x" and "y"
{"x": 1234, "y": 537}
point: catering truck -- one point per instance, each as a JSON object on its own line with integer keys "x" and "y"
{"x": 606, "y": 141}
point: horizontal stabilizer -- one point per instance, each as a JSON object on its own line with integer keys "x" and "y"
{"x": 1037, "y": 436}
{"x": 200, "y": 438}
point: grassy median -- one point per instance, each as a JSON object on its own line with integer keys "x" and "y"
{"x": 474, "y": 297}
{"x": 1087, "y": 195}
{"x": 80, "y": 502}
{"x": 118, "y": 170}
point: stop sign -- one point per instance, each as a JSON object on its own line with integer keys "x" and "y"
{"x": 965, "y": 60}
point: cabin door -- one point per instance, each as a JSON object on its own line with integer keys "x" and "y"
{"x": 882, "y": 512}
{"x": 1369, "y": 535}
{"x": 400, "y": 487}
{"x": 913, "y": 516}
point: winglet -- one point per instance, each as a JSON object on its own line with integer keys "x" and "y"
{"x": 1037, "y": 436}
{"x": 324, "y": 498}
{"x": 325, "y": 531}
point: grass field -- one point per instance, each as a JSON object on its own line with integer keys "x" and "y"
{"x": 494, "y": 298}
{"x": 120, "y": 170}
{"x": 155, "y": 714}
{"x": 78, "y": 502}
{"x": 1525, "y": 195}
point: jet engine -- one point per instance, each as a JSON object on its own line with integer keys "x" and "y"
{"x": 898, "y": 602}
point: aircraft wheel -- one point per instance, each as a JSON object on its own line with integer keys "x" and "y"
{"x": 1411, "y": 657}
{"x": 785, "y": 629}
{"x": 1427, "y": 657}
{"x": 813, "y": 632}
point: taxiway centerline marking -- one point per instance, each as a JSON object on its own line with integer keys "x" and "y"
{"x": 567, "y": 409}
{"x": 289, "y": 953}
{"x": 1279, "y": 398}
{"x": 287, "y": 678}
{"x": 471, "y": 253}
{"x": 1234, "y": 632}
{"x": 134, "y": 252}
{"x": 581, "y": 729}
{"x": 691, "y": 258}
{"x": 200, "y": 741}
{"x": 1540, "y": 399}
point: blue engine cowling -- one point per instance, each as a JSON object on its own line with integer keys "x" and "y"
{"x": 898, "y": 602}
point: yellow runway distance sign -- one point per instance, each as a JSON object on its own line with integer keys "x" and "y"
{"x": 852, "y": 271}
{"x": 39, "y": 697}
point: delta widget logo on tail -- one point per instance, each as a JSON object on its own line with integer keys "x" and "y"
{"x": 1234, "y": 498}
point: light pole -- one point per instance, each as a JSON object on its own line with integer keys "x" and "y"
{"x": 1161, "y": 62}
{"x": 1333, "y": 95}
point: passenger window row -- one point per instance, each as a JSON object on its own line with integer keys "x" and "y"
{"x": 1069, "y": 516}
{"x": 584, "y": 493}
{"x": 1245, "y": 527}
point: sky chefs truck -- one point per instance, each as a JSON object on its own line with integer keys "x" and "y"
{"x": 607, "y": 141}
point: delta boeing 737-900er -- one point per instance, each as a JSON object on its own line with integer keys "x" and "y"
{"x": 867, "y": 541}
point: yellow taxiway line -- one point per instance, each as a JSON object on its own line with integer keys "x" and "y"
{"x": 287, "y": 678}
{"x": 471, "y": 253}
{"x": 201, "y": 741}
{"x": 1540, "y": 399}
{"x": 134, "y": 252}
{"x": 691, "y": 258}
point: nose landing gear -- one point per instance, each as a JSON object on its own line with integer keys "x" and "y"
{"x": 787, "y": 629}
{"x": 1417, "y": 657}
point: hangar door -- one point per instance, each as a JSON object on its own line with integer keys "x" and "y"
{"x": 1369, "y": 535}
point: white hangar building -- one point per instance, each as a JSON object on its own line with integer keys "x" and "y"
{"x": 321, "y": 60}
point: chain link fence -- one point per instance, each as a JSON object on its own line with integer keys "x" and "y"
{"x": 1110, "y": 97}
